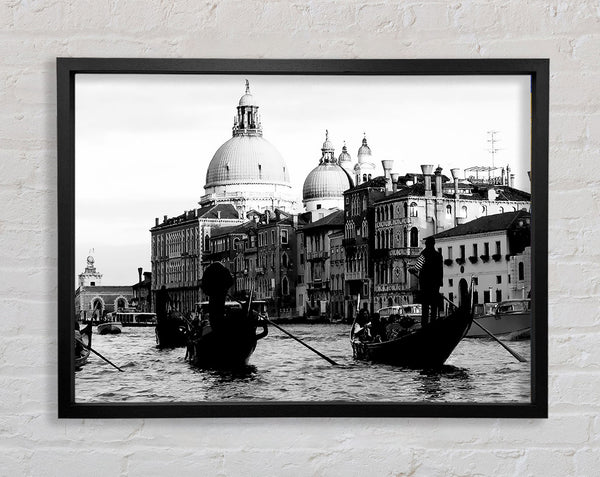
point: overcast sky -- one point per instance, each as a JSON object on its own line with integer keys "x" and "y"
{"x": 144, "y": 142}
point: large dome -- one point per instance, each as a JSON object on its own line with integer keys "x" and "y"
{"x": 327, "y": 180}
{"x": 247, "y": 159}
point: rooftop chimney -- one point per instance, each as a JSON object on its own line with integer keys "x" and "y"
{"x": 156, "y": 221}
{"x": 387, "y": 170}
{"x": 455, "y": 173}
{"x": 529, "y": 175}
{"x": 394, "y": 176}
{"x": 438, "y": 182}
{"x": 164, "y": 218}
{"x": 140, "y": 273}
{"x": 427, "y": 169}
{"x": 512, "y": 180}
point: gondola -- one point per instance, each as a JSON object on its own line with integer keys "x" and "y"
{"x": 229, "y": 346}
{"x": 412, "y": 346}
{"x": 82, "y": 353}
{"x": 171, "y": 330}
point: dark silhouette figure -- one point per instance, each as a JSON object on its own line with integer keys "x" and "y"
{"x": 163, "y": 301}
{"x": 216, "y": 281}
{"x": 431, "y": 273}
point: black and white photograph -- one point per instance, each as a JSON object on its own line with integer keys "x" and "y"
{"x": 270, "y": 238}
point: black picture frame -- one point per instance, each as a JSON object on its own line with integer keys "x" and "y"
{"x": 68, "y": 68}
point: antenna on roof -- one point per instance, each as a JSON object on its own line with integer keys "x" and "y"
{"x": 493, "y": 149}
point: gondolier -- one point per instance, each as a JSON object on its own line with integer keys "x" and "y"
{"x": 430, "y": 270}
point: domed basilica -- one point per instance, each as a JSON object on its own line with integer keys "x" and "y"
{"x": 247, "y": 171}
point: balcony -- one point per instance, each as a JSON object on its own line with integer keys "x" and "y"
{"x": 318, "y": 285}
{"x": 317, "y": 255}
{"x": 355, "y": 276}
{"x": 260, "y": 271}
{"x": 389, "y": 287}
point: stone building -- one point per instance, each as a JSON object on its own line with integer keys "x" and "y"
{"x": 337, "y": 268}
{"x": 494, "y": 251}
{"x": 358, "y": 242}
{"x": 94, "y": 300}
{"x": 142, "y": 292}
{"x": 177, "y": 244}
{"x": 317, "y": 273}
{"x": 421, "y": 205}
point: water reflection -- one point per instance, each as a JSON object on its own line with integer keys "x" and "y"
{"x": 434, "y": 384}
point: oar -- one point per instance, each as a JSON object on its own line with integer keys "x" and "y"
{"x": 514, "y": 353}
{"x": 96, "y": 352}
{"x": 331, "y": 361}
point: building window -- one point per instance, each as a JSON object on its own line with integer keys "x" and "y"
{"x": 498, "y": 278}
{"x": 475, "y": 250}
{"x": 413, "y": 209}
{"x": 486, "y": 296}
{"x": 414, "y": 237}
{"x": 521, "y": 271}
{"x": 475, "y": 297}
{"x": 272, "y": 237}
{"x": 464, "y": 211}
{"x": 318, "y": 206}
{"x": 486, "y": 248}
{"x": 284, "y": 260}
{"x": 284, "y": 236}
{"x": 449, "y": 253}
{"x": 92, "y": 284}
{"x": 498, "y": 296}
{"x": 285, "y": 286}
{"x": 450, "y": 282}
{"x": 449, "y": 210}
{"x": 462, "y": 252}
{"x": 501, "y": 210}
{"x": 498, "y": 249}
{"x": 483, "y": 210}
{"x": 475, "y": 281}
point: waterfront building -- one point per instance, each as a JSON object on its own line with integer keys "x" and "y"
{"x": 337, "y": 267}
{"x": 358, "y": 242}
{"x": 317, "y": 273}
{"x": 247, "y": 170}
{"x": 324, "y": 186}
{"x": 142, "y": 292}
{"x": 94, "y": 300}
{"x": 177, "y": 244}
{"x": 421, "y": 205}
{"x": 494, "y": 251}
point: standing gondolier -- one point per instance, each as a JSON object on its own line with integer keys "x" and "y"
{"x": 430, "y": 270}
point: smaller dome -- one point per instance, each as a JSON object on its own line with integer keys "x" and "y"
{"x": 327, "y": 145}
{"x": 327, "y": 180}
{"x": 364, "y": 150}
{"x": 344, "y": 156}
{"x": 247, "y": 100}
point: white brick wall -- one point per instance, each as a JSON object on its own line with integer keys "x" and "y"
{"x": 34, "y": 442}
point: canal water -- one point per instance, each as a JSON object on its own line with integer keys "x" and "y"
{"x": 479, "y": 371}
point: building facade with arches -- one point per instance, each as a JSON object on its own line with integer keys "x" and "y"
{"x": 94, "y": 300}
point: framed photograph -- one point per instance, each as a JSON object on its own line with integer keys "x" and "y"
{"x": 291, "y": 238}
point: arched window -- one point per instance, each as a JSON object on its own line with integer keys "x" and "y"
{"x": 405, "y": 209}
{"x": 284, "y": 260}
{"x": 413, "y": 209}
{"x": 414, "y": 237}
{"x": 206, "y": 243}
{"x": 364, "y": 177}
{"x": 464, "y": 211}
{"x": 501, "y": 210}
{"x": 378, "y": 214}
{"x": 369, "y": 176}
{"x": 521, "y": 271}
{"x": 391, "y": 212}
{"x": 405, "y": 237}
{"x": 285, "y": 286}
{"x": 449, "y": 210}
{"x": 483, "y": 210}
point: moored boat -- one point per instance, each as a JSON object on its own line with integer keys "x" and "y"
{"x": 109, "y": 328}
{"x": 509, "y": 318}
{"x": 408, "y": 344}
{"x": 82, "y": 352}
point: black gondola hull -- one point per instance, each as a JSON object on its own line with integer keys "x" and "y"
{"x": 82, "y": 353}
{"x": 425, "y": 348}
{"x": 171, "y": 332}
